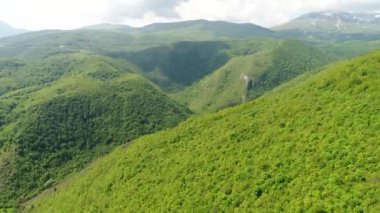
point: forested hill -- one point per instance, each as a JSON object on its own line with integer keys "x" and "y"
{"x": 58, "y": 114}
{"x": 309, "y": 145}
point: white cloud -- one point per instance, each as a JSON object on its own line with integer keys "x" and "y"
{"x": 63, "y": 14}
{"x": 268, "y": 12}
{"x": 137, "y": 9}
{"x": 68, "y": 14}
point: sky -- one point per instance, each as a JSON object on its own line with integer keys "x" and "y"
{"x": 71, "y": 14}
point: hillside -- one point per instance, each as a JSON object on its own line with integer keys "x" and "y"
{"x": 36, "y": 45}
{"x": 58, "y": 114}
{"x": 309, "y": 145}
{"x": 251, "y": 73}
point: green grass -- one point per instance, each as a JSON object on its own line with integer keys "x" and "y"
{"x": 53, "y": 124}
{"x": 309, "y": 145}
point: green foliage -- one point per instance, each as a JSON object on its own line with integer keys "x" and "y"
{"x": 291, "y": 59}
{"x": 50, "y": 128}
{"x": 62, "y": 105}
{"x": 8, "y": 210}
{"x": 309, "y": 145}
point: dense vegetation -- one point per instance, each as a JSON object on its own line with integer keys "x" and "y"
{"x": 69, "y": 97}
{"x": 52, "y": 126}
{"x": 251, "y": 73}
{"x": 309, "y": 145}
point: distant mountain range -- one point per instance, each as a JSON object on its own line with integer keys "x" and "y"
{"x": 324, "y": 25}
{"x": 333, "y": 22}
{"x": 332, "y": 25}
{"x": 7, "y": 30}
{"x": 121, "y": 38}
{"x": 216, "y": 28}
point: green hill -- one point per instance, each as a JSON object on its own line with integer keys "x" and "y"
{"x": 251, "y": 73}
{"x": 309, "y": 145}
{"x": 59, "y": 113}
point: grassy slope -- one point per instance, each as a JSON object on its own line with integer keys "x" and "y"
{"x": 51, "y": 128}
{"x": 266, "y": 66}
{"x": 311, "y": 144}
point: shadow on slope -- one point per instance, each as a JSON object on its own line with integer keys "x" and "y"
{"x": 180, "y": 64}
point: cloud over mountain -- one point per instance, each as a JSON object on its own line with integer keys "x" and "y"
{"x": 68, "y": 14}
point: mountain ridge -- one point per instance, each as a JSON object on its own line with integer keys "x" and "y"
{"x": 333, "y": 24}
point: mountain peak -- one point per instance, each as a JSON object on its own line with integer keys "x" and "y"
{"x": 8, "y": 30}
{"x": 344, "y": 16}
{"x": 331, "y": 21}
{"x": 3, "y": 24}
